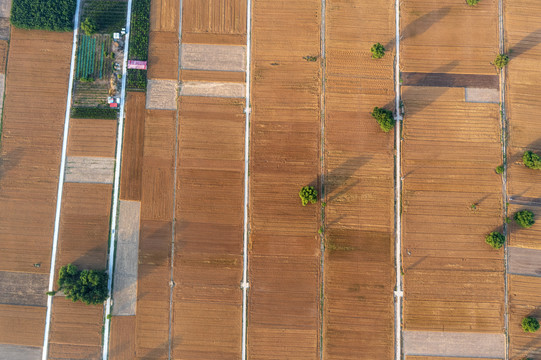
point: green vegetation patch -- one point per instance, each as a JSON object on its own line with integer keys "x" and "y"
{"x": 88, "y": 286}
{"x": 308, "y": 194}
{"x": 531, "y": 160}
{"x": 140, "y": 27}
{"x": 93, "y": 113}
{"x": 495, "y": 239}
{"x": 524, "y": 218}
{"x": 377, "y": 50}
{"x": 530, "y": 324}
{"x": 384, "y": 118}
{"x": 472, "y": 2}
{"x": 499, "y": 169}
{"x": 501, "y": 60}
{"x": 52, "y": 15}
{"x": 103, "y": 16}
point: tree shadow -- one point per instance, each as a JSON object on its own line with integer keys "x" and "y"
{"x": 417, "y": 263}
{"x": 516, "y": 157}
{"x": 10, "y": 160}
{"x": 340, "y": 180}
{"x": 526, "y": 43}
{"x": 420, "y": 25}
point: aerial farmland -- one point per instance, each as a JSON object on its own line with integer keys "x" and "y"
{"x": 257, "y": 179}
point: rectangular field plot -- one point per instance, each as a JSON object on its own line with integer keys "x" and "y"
{"x": 359, "y": 271}
{"x": 524, "y": 300}
{"x": 122, "y": 345}
{"x": 32, "y": 293}
{"x": 75, "y": 330}
{"x": 92, "y": 137}
{"x": 523, "y": 39}
{"x": 436, "y": 37}
{"x": 132, "y": 150}
{"x": 522, "y": 237}
{"x": 31, "y": 145}
{"x": 284, "y": 310}
{"x": 164, "y": 15}
{"x": 214, "y": 21}
{"x": 9, "y": 352}
{"x": 451, "y": 200}
{"x": 163, "y": 55}
{"x": 22, "y": 325}
{"x": 209, "y": 229}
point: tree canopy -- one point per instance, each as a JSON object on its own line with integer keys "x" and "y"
{"x": 495, "y": 239}
{"x": 531, "y": 160}
{"x": 530, "y": 324}
{"x": 308, "y": 194}
{"x": 88, "y": 286}
{"x": 384, "y": 118}
{"x": 524, "y": 218}
{"x": 501, "y": 60}
{"x": 378, "y": 51}
{"x": 52, "y": 15}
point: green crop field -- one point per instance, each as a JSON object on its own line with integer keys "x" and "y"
{"x": 108, "y": 15}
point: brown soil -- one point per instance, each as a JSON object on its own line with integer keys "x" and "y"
{"x": 448, "y": 37}
{"x": 33, "y": 121}
{"x": 284, "y": 310}
{"x": 132, "y": 151}
{"x": 214, "y": 76}
{"x": 91, "y": 137}
{"x": 208, "y": 237}
{"x": 32, "y": 293}
{"x": 163, "y": 55}
{"x": 453, "y": 279}
{"x": 520, "y": 237}
{"x": 122, "y": 345}
{"x": 164, "y": 15}
{"x": 4, "y": 45}
{"x": 22, "y": 325}
{"x": 450, "y": 80}
{"x": 442, "y": 358}
{"x": 205, "y": 38}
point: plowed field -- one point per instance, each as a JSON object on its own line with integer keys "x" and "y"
{"x": 164, "y": 15}
{"x": 122, "y": 346}
{"x": 359, "y": 271}
{"x": 438, "y": 36}
{"x": 207, "y": 301}
{"x": 132, "y": 150}
{"x": 451, "y": 199}
{"x": 33, "y": 121}
{"x": 284, "y": 310}
{"x": 163, "y": 55}
{"x": 214, "y": 21}
{"x": 92, "y": 137}
{"x": 22, "y": 325}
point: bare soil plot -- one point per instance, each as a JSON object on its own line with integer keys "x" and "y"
{"x": 31, "y": 145}
{"x": 524, "y": 300}
{"x": 285, "y": 137}
{"x": 85, "y": 169}
{"x": 164, "y": 15}
{"x": 162, "y": 95}
{"x": 22, "y": 325}
{"x": 524, "y": 261}
{"x": 209, "y": 229}
{"x": 220, "y": 76}
{"x": 523, "y": 39}
{"x": 439, "y": 36}
{"x": 31, "y": 294}
{"x": 359, "y": 272}
{"x": 122, "y": 345}
{"x": 163, "y": 55}
{"x": 153, "y": 291}
{"x": 75, "y": 330}
{"x": 442, "y": 358}
{"x": 451, "y": 200}
{"x": 92, "y": 137}
{"x": 9, "y": 352}
{"x": 214, "y": 21}
{"x": 449, "y": 80}
{"x": 212, "y": 89}
{"x": 132, "y": 150}
{"x": 4, "y": 45}
{"x": 454, "y": 344}
{"x": 213, "y": 57}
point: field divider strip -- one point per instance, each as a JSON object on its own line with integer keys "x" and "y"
{"x": 323, "y": 68}
{"x": 116, "y": 184}
{"x": 247, "y": 111}
{"x": 399, "y": 293}
{"x": 505, "y": 199}
{"x": 45, "y": 349}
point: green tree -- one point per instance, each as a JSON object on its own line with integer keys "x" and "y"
{"x": 377, "y": 50}
{"x": 384, "y": 118}
{"x": 501, "y": 60}
{"x": 53, "y": 15}
{"x": 531, "y": 160}
{"x": 499, "y": 169}
{"x": 308, "y": 194}
{"x": 530, "y": 324}
{"x": 88, "y": 286}
{"x": 524, "y": 218}
{"x": 472, "y": 2}
{"x": 495, "y": 239}
{"x": 89, "y": 26}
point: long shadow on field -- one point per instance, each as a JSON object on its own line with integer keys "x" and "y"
{"x": 529, "y": 41}
{"x": 534, "y": 344}
{"x": 340, "y": 180}
{"x": 10, "y": 161}
{"x": 435, "y": 92}
{"x": 516, "y": 157}
{"x": 420, "y": 25}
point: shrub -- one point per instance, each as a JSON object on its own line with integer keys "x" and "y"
{"x": 472, "y": 2}
{"x": 384, "y": 118}
{"x": 52, "y": 15}
{"x": 88, "y": 26}
{"x": 377, "y": 51}
{"x": 524, "y": 218}
{"x": 499, "y": 169}
{"x": 530, "y": 324}
{"x": 495, "y": 239}
{"x": 93, "y": 113}
{"x": 308, "y": 194}
{"x": 531, "y": 160}
{"x": 137, "y": 79}
{"x": 501, "y": 60}
{"x": 88, "y": 286}
{"x": 310, "y": 58}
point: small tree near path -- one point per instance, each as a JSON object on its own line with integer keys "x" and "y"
{"x": 501, "y": 60}
{"x": 308, "y": 194}
{"x": 495, "y": 239}
{"x": 530, "y": 324}
{"x": 384, "y": 118}
{"x": 524, "y": 218}
{"x": 377, "y": 50}
{"x": 88, "y": 286}
{"x": 472, "y": 2}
